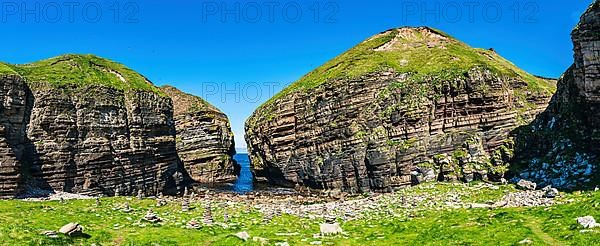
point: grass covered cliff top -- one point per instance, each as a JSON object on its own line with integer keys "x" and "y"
{"x": 187, "y": 103}
{"x": 6, "y": 69}
{"x": 83, "y": 70}
{"x": 422, "y": 52}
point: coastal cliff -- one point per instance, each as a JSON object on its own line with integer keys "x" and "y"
{"x": 405, "y": 106}
{"x": 204, "y": 138}
{"x": 84, "y": 124}
{"x": 562, "y": 146}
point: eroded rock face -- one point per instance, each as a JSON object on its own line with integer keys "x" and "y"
{"x": 13, "y": 117}
{"x": 388, "y": 129}
{"x": 87, "y": 138}
{"x": 204, "y": 138}
{"x": 98, "y": 139}
{"x": 561, "y": 147}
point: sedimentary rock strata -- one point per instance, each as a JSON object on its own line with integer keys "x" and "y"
{"x": 403, "y": 107}
{"x": 204, "y": 138}
{"x": 84, "y": 124}
{"x": 561, "y": 147}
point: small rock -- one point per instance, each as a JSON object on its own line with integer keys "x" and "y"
{"x": 526, "y": 241}
{"x": 587, "y": 222}
{"x": 526, "y": 185}
{"x": 260, "y": 240}
{"x": 71, "y": 229}
{"x": 330, "y": 229}
{"x": 480, "y": 205}
{"x": 282, "y": 244}
{"x": 550, "y": 192}
{"x": 151, "y": 217}
{"x": 50, "y": 234}
{"x": 193, "y": 224}
{"x": 243, "y": 235}
{"x": 316, "y": 243}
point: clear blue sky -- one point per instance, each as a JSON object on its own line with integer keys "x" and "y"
{"x": 187, "y": 43}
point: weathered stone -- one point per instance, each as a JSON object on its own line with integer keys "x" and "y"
{"x": 550, "y": 192}
{"x": 243, "y": 235}
{"x": 587, "y": 222}
{"x": 71, "y": 229}
{"x": 526, "y": 185}
{"x": 330, "y": 229}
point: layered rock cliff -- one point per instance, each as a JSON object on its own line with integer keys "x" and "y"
{"x": 562, "y": 146}
{"x": 204, "y": 138}
{"x": 84, "y": 124}
{"x": 405, "y": 106}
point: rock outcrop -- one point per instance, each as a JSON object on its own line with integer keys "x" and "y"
{"x": 562, "y": 146}
{"x": 84, "y": 124}
{"x": 405, "y": 106}
{"x": 204, "y": 138}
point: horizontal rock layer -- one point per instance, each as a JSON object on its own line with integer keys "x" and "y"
{"x": 204, "y": 139}
{"x": 385, "y": 130}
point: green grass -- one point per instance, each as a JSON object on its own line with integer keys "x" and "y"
{"x": 445, "y": 62}
{"x": 6, "y": 69}
{"x": 83, "y": 70}
{"x": 21, "y": 223}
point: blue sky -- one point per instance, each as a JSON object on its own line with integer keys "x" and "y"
{"x": 237, "y": 58}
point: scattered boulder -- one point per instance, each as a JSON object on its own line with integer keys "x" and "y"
{"x": 71, "y": 229}
{"x": 587, "y": 222}
{"x": 526, "y": 241}
{"x": 193, "y": 224}
{"x": 243, "y": 235}
{"x": 50, "y": 234}
{"x": 480, "y": 205}
{"x": 330, "y": 229}
{"x": 526, "y": 185}
{"x": 260, "y": 240}
{"x": 550, "y": 192}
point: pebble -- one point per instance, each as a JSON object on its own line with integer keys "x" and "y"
{"x": 243, "y": 235}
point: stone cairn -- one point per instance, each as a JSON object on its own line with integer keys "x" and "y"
{"x": 160, "y": 201}
{"x": 185, "y": 192}
{"x": 140, "y": 195}
{"x": 185, "y": 205}
{"x": 208, "y": 219}
{"x": 117, "y": 192}
{"x": 193, "y": 224}
{"x": 151, "y": 216}
{"x": 126, "y": 208}
{"x": 225, "y": 216}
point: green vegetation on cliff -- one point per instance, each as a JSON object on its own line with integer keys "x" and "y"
{"x": 187, "y": 103}
{"x": 6, "y": 69}
{"x": 83, "y": 70}
{"x": 424, "y": 53}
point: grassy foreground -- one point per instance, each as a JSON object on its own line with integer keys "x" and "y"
{"x": 21, "y": 223}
